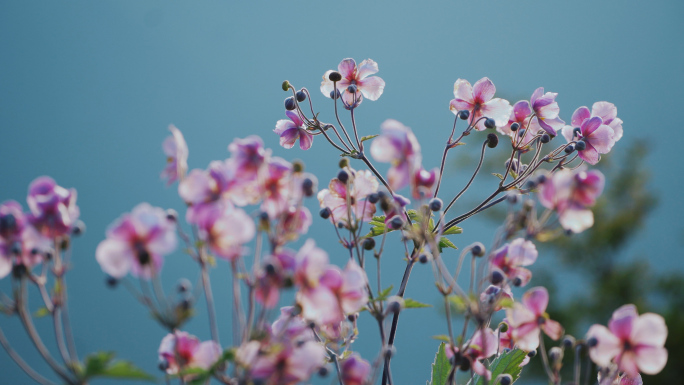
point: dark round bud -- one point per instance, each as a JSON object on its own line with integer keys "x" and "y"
{"x": 394, "y": 307}
{"x": 541, "y": 179}
{"x": 270, "y": 269}
{"x": 545, "y": 138}
{"x": 531, "y": 184}
{"x": 581, "y": 145}
{"x": 352, "y": 317}
{"x": 490, "y": 123}
{"x": 592, "y": 342}
{"x": 568, "y": 341}
{"x": 325, "y": 213}
{"x": 171, "y": 215}
{"x": 396, "y": 223}
{"x": 352, "y": 88}
{"x": 340, "y": 225}
{"x": 517, "y": 282}
{"x": 423, "y": 258}
{"x": 8, "y": 223}
{"x": 505, "y": 379}
{"x": 532, "y": 353}
{"x": 343, "y": 176}
{"x": 576, "y": 131}
{"x": 389, "y": 352}
{"x": 503, "y": 327}
{"x": 477, "y": 249}
{"x": 111, "y": 281}
{"x": 492, "y": 140}
{"x": 463, "y": 115}
{"x": 515, "y": 126}
{"x": 334, "y": 94}
{"x": 323, "y": 371}
{"x": 144, "y": 257}
{"x": 382, "y": 194}
{"x": 569, "y": 149}
{"x": 555, "y": 354}
{"x": 369, "y": 243}
{"x": 344, "y": 162}
{"x": 335, "y": 76}
{"x": 263, "y": 216}
{"x": 456, "y": 359}
{"x": 512, "y": 198}
{"x": 496, "y": 278}
{"x": 16, "y": 248}
{"x": 373, "y": 198}
{"x": 290, "y": 104}
{"x": 307, "y": 187}
{"x": 465, "y": 365}
{"x": 435, "y": 204}
{"x": 297, "y": 166}
{"x": 78, "y": 228}
{"x": 301, "y": 96}
{"x": 183, "y": 285}
{"x": 568, "y": 232}
{"x": 521, "y": 133}
{"x": 163, "y": 365}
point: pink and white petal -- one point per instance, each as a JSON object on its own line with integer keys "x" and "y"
{"x": 608, "y": 345}
{"x": 602, "y": 139}
{"x": 555, "y": 123}
{"x": 589, "y": 154}
{"x": 622, "y": 321}
{"x": 536, "y": 95}
{"x": 338, "y": 188}
{"x": 651, "y": 359}
{"x": 579, "y": 116}
{"x": 347, "y": 68}
{"x": 115, "y": 257}
{"x": 604, "y": 110}
{"x": 499, "y": 110}
{"x": 463, "y": 91}
{"x": 649, "y": 329}
{"x": 521, "y": 110}
{"x": 5, "y": 265}
{"x": 551, "y": 130}
{"x": 628, "y": 363}
{"x": 365, "y": 183}
{"x": 327, "y": 85}
{"x": 536, "y": 299}
{"x": 481, "y": 370}
{"x": 483, "y": 90}
{"x": 519, "y": 315}
{"x": 371, "y": 87}
{"x": 399, "y": 176}
{"x": 616, "y": 125}
{"x": 283, "y": 125}
{"x": 206, "y": 354}
{"x": 522, "y": 252}
{"x": 294, "y": 117}
{"x": 590, "y": 125}
{"x": 366, "y": 68}
{"x": 524, "y": 274}
{"x": 456, "y": 105}
{"x": 552, "y": 329}
{"x": 364, "y": 210}
{"x": 320, "y": 305}
{"x": 289, "y": 137}
{"x": 529, "y": 341}
{"x": 383, "y": 149}
{"x": 568, "y": 133}
{"x": 305, "y": 139}
{"x": 196, "y": 186}
{"x": 576, "y": 219}
{"x": 304, "y": 361}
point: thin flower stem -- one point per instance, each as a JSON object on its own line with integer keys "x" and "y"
{"x": 356, "y": 134}
{"x": 447, "y": 308}
{"x": 545, "y": 359}
{"x": 237, "y": 305}
{"x": 337, "y": 116}
{"x": 208, "y": 295}
{"x": 578, "y": 365}
{"x": 444, "y": 155}
{"x": 21, "y": 363}
{"x": 66, "y": 321}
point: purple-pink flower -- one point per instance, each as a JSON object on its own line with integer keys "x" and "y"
{"x": 203, "y": 189}
{"x": 350, "y": 198}
{"x": 634, "y": 342}
{"x": 479, "y": 347}
{"x": 597, "y": 136}
{"x": 355, "y": 370}
{"x": 571, "y": 193}
{"x": 176, "y": 151}
{"x": 546, "y": 112}
{"x": 398, "y": 146}
{"x": 20, "y": 243}
{"x": 248, "y": 155}
{"x": 529, "y": 318}
{"x": 226, "y": 229}
{"x": 604, "y": 110}
{"x": 137, "y": 242}
{"x": 275, "y": 186}
{"x": 367, "y": 86}
{"x": 181, "y": 351}
{"x": 293, "y": 129}
{"x": 520, "y": 115}
{"x": 53, "y": 208}
{"x": 480, "y": 102}
{"x": 511, "y": 257}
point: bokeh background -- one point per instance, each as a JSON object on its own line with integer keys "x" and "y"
{"x": 87, "y": 90}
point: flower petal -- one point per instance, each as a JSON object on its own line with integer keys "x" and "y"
{"x": 115, "y": 257}
{"x": 651, "y": 359}
{"x": 536, "y": 299}
{"x": 366, "y": 68}
{"x": 576, "y": 219}
{"x": 463, "y": 90}
{"x": 589, "y": 154}
{"x": 289, "y": 137}
{"x": 552, "y": 329}
{"x": 371, "y": 87}
{"x": 305, "y": 139}
{"x": 622, "y": 321}
{"x": 608, "y": 345}
{"x": 604, "y": 110}
{"x": 483, "y": 90}
{"x": 602, "y": 139}
{"x": 590, "y": 125}
{"x": 649, "y": 329}
{"x": 497, "y": 109}
{"x": 347, "y": 68}
{"x": 579, "y": 116}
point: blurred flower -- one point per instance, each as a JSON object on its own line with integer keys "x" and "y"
{"x": 176, "y": 151}
{"x": 275, "y": 187}
{"x": 478, "y": 101}
{"x": 529, "y": 318}
{"x": 182, "y": 351}
{"x": 398, "y": 146}
{"x": 479, "y": 347}
{"x": 53, "y": 208}
{"x": 350, "y": 198}
{"x": 511, "y": 257}
{"x": 20, "y": 243}
{"x": 226, "y": 229}
{"x": 422, "y": 182}
{"x": 355, "y": 370}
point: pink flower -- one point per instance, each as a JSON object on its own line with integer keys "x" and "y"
{"x": 20, "y": 243}
{"x": 275, "y": 186}
{"x": 493, "y": 296}
{"x": 398, "y": 146}
{"x": 506, "y": 341}
{"x": 226, "y": 229}
{"x": 598, "y": 138}
{"x": 479, "y": 347}
{"x": 355, "y": 370}
{"x": 367, "y": 86}
{"x": 176, "y": 151}
{"x": 277, "y": 270}
{"x": 53, "y": 208}
{"x": 137, "y": 242}
{"x": 182, "y": 351}
{"x": 345, "y": 199}
{"x": 529, "y": 318}
{"x": 478, "y": 101}
{"x": 520, "y": 115}
{"x": 293, "y": 129}
{"x": 604, "y": 110}
{"x": 634, "y": 342}
{"x": 294, "y": 222}
{"x": 546, "y": 112}
{"x": 248, "y": 155}
{"x": 202, "y": 189}
{"x": 510, "y": 259}
{"x": 571, "y": 193}
{"x": 422, "y": 182}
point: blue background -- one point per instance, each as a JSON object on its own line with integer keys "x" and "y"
{"x": 87, "y": 90}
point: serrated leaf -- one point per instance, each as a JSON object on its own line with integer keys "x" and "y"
{"x": 413, "y": 304}
{"x": 506, "y": 363}
{"x": 445, "y": 242}
{"x": 100, "y": 365}
{"x": 441, "y": 367}
{"x": 453, "y": 230}
{"x": 442, "y": 337}
{"x": 41, "y": 312}
{"x": 368, "y": 137}
{"x": 498, "y": 175}
{"x": 384, "y": 294}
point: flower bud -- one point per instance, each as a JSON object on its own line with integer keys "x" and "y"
{"x": 512, "y": 197}
{"x": 555, "y": 354}
{"x": 532, "y": 353}
{"x": 545, "y": 138}
{"x": 465, "y": 365}
{"x": 183, "y": 285}
{"x": 492, "y": 140}
{"x": 369, "y": 243}
{"x": 301, "y": 96}
{"x": 569, "y": 149}
{"x": 576, "y": 131}
{"x": 490, "y": 123}
{"x": 297, "y": 166}
{"x": 515, "y": 126}
{"x": 503, "y": 327}
{"x": 344, "y": 162}
{"x": 373, "y": 198}
{"x": 352, "y": 88}
{"x": 477, "y": 249}
{"x": 172, "y": 215}
{"x": 521, "y": 133}
{"x": 290, "y": 104}
{"x": 423, "y": 258}
{"x": 435, "y": 204}
{"x": 396, "y": 223}
{"x": 504, "y": 379}
{"x": 568, "y": 341}
{"x": 340, "y": 225}
{"x": 517, "y": 282}
{"x": 334, "y": 94}
{"x": 78, "y": 228}
{"x": 463, "y": 115}
{"x": 496, "y": 277}
{"x": 307, "y": 187}
{"x": 581, "y": 145}
{"x": 325, "y": 213}
{"x": 343, "y": 176}
{"x": 335, "y": 76}
{"x": 592, "y": 342}
{"x": 111, "y": 282}
{"x": 395, "y": 304}
{"x": 323, "y": 371}
{"x": 164, "y": 364}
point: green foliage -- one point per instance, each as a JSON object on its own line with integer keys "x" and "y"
{"x": 413, "y": 304}
{"x": 441, "y": 367}
{"x": 102, "y": 364}
{"x": 506, "y": 363}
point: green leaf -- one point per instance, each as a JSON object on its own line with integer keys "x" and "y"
{"x": 457, "y": 302}
{"x": 412, "y": 304}
{"x": 368, "y": 137}
{"x": 384, "y": 294}
{"x": 442, "y": 337}
{"x": 441, "y": 367}
{"x": 40, "y": 313}
{"x": 100, "y": 365}
{"x": 445, "y": 242}
{"x": 506, "y": 363}
{"x": 498, "y": 175}
{"x": 453, "y": 230}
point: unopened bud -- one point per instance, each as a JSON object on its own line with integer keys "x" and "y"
{"x": 183, "y": 285}
{"x": 592, "y": 342}
{"x": 504, "y": 379}
{"x": 111, "y": 282}
{"x": 373, "y": 198}
{"x": 307, "y": 187}
{"x": 343, "y": 176}
{"x": 463, "y": 115}
{"x": 503, "y": 327}
{"x": 290, "y": 104}
{"x": 492, "y": 140}
{"x": 568, "y": 341}
{"x": 569, "y": 149}
{"x": 344, "y": 162}
{"x": 325, "y": 213}
{"x": 435, "y": 204}
{"x": 581, "y": 145}
{"x": 301, "y": 96}
{"x": 79, "y": 228}
{"x": 335, "y": 76}
{"x": 395, "y": 304}
{"x": 477, "y": 249}
{"x": 515, "y": 126}
{"x": 286, "y": 85}
{"x": 423, "y": 258}
{"x": 490, "y": 123}
{"x": 496, "y": 277}
{"x": 396, "y": 223}
{"x": 545, "y": 138}
{"x": 297, "y": 166}
{"x": 369, "y": 243}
